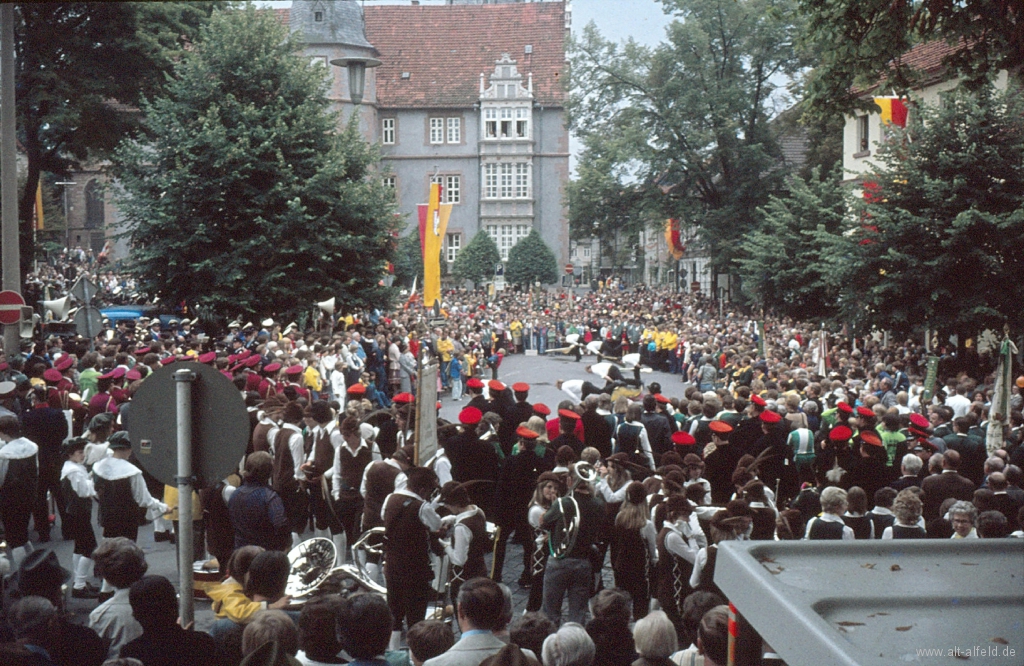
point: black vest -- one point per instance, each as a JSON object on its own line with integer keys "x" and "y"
{"x": 881, "y": 521}
{"x": 904, "y": 532}
{"x": 117, "y": 506}
{"x": 75, "y": 506}
{"x": 822, "y": 529}
{"x": 861, "y": 526}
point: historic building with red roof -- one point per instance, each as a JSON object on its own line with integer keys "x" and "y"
{"x": 468, "y": 94}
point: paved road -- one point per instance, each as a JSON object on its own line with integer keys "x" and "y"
{"x": 540, "y": 372}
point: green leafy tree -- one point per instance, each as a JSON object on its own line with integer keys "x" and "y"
{"x": 408, "y": 260}
{"x": 783, "y": 270}
{"x": 82, "y": 68}
{"x": 242, "y": 195}
{"x": 859, "y": 40}
{"x": 530, "y": 261}
{"x": 477, "y": 260}
{"x": 686, "y": 125}
{"x": 940, "y": 237}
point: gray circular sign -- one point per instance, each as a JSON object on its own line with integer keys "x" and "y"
{"x": 220, "y": 424}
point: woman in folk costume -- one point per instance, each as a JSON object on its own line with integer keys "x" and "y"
{"x": 735, "y": 523}
{"x": 549, "y": 489}
{"x": 634, "y": 548}
{"x": 468, "y": 542}
{"x": 678, "y": 546}
{"x": 19, "y": 474}
{"x": 78, "y": 493}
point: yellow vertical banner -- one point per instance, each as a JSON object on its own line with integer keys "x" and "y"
{"x": 433, "y": 225}
{"x": 39, "y": 206}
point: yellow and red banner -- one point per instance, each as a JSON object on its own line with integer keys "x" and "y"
{"x": 673, "y": 237}
{"x": 39, "y": 206}
{"x": 894, "y": 111}
{"x": 433, "y": 218}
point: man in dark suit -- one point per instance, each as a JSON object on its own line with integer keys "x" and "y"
{"x": 597, "y": 431}
{"x": 940, "y": 487}
{"x": 658, "y": 431}
{"x": 1001, "y": 500}
{"x": 971, "y": 450}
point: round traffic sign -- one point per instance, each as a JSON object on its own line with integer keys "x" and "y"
{"x": 568, "y": 269}
{"x": 10, "y": 307}
{"x": 220, "y": 424}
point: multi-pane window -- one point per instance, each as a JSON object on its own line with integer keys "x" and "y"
{"x": 490, "y": 123}
{"x": 451, "y": 187}
{"x": 437, "y": 130}
{"x": 445, "y": 130}
{"x": 389, "y": 181}
{"x": 862, "y": 133}
{"x": 506, "y": 123}
{"x": 522, "y": 123}
{"x": 505, "y": 236}
{"x": 507, "y": 180}
{"x": 387, "y": 131}
{"x": 454, "y": 244}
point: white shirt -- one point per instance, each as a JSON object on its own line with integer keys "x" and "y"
{"x": 81, "y": 483}
{"x": 462, "y": 536}
{"x": 113, "y": 469}
{"x": 959, "y": 404}
{"x": 297, "y": 445}
{"x": 400, "y": 481}
{"x": 16, "y": 449}
{"x": 574, "y": 388}
{"x": 645, "y": 442}
{"x": 427, "y": 513}
{"x": 681, "y": 541}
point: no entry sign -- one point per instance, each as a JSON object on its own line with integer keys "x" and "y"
{"x": 10, "y": 307}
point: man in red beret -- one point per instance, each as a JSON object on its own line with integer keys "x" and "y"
{"x": 473, "y": 460}
{"x": 868, "y": 468}
{"x": 475, "y": 389}
{"x": 778, "y": 470}
{"x": 720, "y": 458}
{"x": 522, "y": 410}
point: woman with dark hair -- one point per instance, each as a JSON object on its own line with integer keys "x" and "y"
{"x": 163, "y": 641}
{"x": 364, "y": 628}
{"x": 856, "y": 516}
{"x": 763, "y": 515}
{"x": 634, "y": 549}
{"x": 609, "y": 628}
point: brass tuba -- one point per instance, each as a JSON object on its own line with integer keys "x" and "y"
{"x": 311, "y": 564}
{"x": 563, "y": 534}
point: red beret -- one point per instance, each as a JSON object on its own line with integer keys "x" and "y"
{"x": 526, "y": 433}
{"x": 542, "y": 409}
{"x": 118, "y": 373}
{"x": 168, "y": 360}
{"x": 273, "y": 367}
{"x": 758, "y": 400}
{"x": 683, "y": 438}
{"x": 208, "y": 357}
{"x": 356, "y": 389}
{"x": 495, "y": 385}
{"x": 843, "y": 407}
{"x": 52, "y": 375}
{"x": 661, "y": 398}
{"x": 470, "y": 416}
{"x": 64, "y": 363}
{"x": 237, "y": 367}
{"x": 840, "y": 434}
{"x": 520, "y": 387}
{"x": 250, "y": 362}
{"x": 568, "y": 414}
{"x": 293, "y": 370}
{"x": 245, "y": 353}
{"x": 403, "y": 398}
{"x": 4, "y": 366}
{"x": 919, "y": 420}
{"x": 474, "y": 383}
{"x": 133, "y": 375}
{"x": 768, "y": 416}
{"x": 871, "y": 438}
{"x": 142, "y": 350}
{"x": 721, "y": 427}
{"x": 865, "y": 412}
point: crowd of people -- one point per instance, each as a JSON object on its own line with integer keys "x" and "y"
{"x": 747, "y": 439}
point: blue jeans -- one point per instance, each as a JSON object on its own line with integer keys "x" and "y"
{"x": 572, "y": 576}
{"x": 456, "y": 383}
{"x": 444, "y": 373}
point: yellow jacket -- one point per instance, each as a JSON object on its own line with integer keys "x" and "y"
{"x": 312, "y": 380}
{"x": 230, "y": 602}
{"x": 667, "y": 340}
{"x": 445, "y": 348}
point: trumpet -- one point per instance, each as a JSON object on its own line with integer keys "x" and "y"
{"x": 563, "y": 535}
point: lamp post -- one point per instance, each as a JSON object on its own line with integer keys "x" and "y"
{"x": 357, "y": 66}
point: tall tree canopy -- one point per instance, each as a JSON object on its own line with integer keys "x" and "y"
{"x": 530, "y": 261}
{"x": 939, "y": 241}
{"x": 241, "y": 196}
{"x": 476, "y": 261}
{"x": 683, "y": 128}
{"x": 82, "y": 68}
{"x": 859, "y": 40}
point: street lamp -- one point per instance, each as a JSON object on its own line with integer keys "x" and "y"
{"x": 356, "y": 66}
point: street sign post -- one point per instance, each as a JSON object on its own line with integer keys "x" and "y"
{"x": 10, "y": 307}
{"x": 84, "y": 290}
{"x": 88, "y": 322}
{"x": 568, "y": 269}
{"x": 189, "y": 428}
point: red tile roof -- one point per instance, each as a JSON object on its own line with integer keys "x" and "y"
{"x": 444, "y": 71}
{"x": 282, "y": 16}
{"x": 925, "y": 59}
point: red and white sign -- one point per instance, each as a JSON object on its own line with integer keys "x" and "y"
{"x": 568, "y": 269}
{"x": 10, "y": 307}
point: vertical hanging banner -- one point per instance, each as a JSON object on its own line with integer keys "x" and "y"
{"x": 894, "y": 111}
{"x": 433, "y": 219}
{"x": 38, "y": 211}
{"x": 673, "y": 238}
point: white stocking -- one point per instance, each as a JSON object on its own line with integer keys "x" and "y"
{"x": 83, "y": 570}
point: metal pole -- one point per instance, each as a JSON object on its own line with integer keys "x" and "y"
{"x": 9, "y": 173}
{"x": 186, "y": 609}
